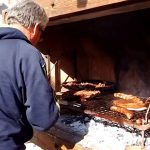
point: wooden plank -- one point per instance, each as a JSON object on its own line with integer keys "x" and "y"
{"x": 49, "y": 142}
{"x": 75, "y": 10}
{"x": 92, "y": 61}
{"x": 43, "y": 140}
{"x": 61, "y": 7}
{"x": 98, "y": 13}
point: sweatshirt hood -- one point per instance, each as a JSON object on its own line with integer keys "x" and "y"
{"x": 12, "y": 33}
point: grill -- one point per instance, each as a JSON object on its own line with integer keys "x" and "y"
{"x": 100, "y": 107}
{"x": 99, "y": 128}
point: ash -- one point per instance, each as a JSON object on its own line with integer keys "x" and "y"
{"x": 101, "y": 134}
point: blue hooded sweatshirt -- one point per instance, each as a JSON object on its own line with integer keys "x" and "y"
{"x": 26, "y": 99}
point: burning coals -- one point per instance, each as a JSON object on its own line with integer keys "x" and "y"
{"x": 100, "y": 134}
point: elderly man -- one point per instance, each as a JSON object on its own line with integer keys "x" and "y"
{"x": 26, "y": 98}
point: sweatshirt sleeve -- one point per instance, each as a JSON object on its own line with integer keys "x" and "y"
{"x": 42, "y": 111}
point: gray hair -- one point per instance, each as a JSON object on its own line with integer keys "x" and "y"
{"x": 27, "y": 13}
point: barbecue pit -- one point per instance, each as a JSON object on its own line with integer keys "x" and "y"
{"x": 113, "y": 49}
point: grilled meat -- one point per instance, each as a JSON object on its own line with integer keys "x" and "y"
{"x": 128, "y": 101}
{"x": 126, "y": 112}
{"x": 127, "y": 97}
{"x": 83, "y": 95}
{"x": 87, "y": 94}
{"x": 79, "y": 85}
{"x": 131, "y": 103}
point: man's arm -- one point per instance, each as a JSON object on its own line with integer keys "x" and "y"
{"x": 42, "y": 111}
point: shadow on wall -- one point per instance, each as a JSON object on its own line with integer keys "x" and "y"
{"x": 81, "y": 3}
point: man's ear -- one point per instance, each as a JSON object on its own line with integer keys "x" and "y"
{"x": 35, "y": 28}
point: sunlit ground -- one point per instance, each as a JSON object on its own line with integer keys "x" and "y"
{"x": 31, "y": 146}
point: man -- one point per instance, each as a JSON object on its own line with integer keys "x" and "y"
{"x": 26, "y": 99}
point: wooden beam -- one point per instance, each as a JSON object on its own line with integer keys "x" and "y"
{"x": 66, "y": 11}
{"x": 50, "y": 142}
{"x": 98, "y": 12}
{"x": 62, "y": 7}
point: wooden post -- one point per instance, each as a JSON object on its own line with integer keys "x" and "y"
{"x": 48, "y": 69}
{"x": 57, "y": 76}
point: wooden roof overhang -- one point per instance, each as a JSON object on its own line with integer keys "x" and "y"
{"x": 66, "y": 11}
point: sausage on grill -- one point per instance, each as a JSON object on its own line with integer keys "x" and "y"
{"x": 126, "y": 112}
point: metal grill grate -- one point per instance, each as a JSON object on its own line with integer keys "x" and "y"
{"x": 101, "y": 107}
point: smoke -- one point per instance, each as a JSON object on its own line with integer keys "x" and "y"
{"x": 134, "y": 77}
